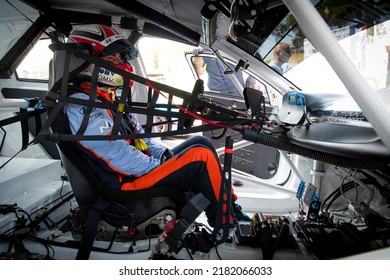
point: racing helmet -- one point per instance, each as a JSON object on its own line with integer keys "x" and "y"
{"x": 104, "y": 41}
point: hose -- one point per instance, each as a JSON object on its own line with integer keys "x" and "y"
{"x": 285, "y": 145}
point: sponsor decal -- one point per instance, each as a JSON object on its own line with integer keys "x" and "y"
{"x": 106, "y": 125}
{"x": 110, "y": 77}
{"x": 83, "y": 109}
{"x": 112, "y": 39}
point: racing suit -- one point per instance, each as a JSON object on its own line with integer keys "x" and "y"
{"x": 120, "y": 166}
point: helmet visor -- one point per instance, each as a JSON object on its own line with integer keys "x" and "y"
{"x": 126, "y": 50}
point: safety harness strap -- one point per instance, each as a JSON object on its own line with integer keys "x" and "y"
{"x": 88, "y": 110}
{"x": 89, "y": 234}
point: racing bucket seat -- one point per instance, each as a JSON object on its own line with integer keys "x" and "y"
{"x": 134, "y": 209}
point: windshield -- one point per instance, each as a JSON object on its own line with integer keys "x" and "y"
{"x": 361, "y": 27}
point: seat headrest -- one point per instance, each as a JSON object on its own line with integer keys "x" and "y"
{"x": 56, "y": 66}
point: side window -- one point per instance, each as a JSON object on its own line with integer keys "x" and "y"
{"x": 253, "y": 82}
{"x": 218, "y": 79}
{"x": 165, "y": 62}
{"x": 35, "y": 66}
{"x": 217, "y": 76}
